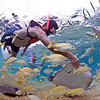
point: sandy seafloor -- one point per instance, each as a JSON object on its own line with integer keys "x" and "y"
{"x": 93, "y": 93}
{"x": 74, "y": 34}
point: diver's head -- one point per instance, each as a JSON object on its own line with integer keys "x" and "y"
{"x": 50, "y": 27}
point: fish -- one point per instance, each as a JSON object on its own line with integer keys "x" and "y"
{"x": 96, "y": 30}
{"x": 61, "y": 46}
{"x": 91, "y": 35}
{"x": 19, "y": 82}
{"x": 87, "y": 52}
{"x": 55, "y": 58}
{"x": 2, "y": 44}
{"x": 65, "y": 98}
{"x": 22, "y": 62}
{"x": 19, "y": 75}
{"x": 81, "y": 69}
{"x": 19, "y": 92}
{"x": 52, "y": 97}
{"x": 48, "y": 71}
{"x": 56, "y": 91}
{"x": 98, "y": 75}
{"x": 20, "y": 79}
{"x": 28, "y": 72}
{"x": 98, "y": 64}
{"x": 3, "y": 70}
{"x": 36, "y": 70}
{"x": 74, "y": 92}
{"x": 90, "y": 60}
{"x": 29, "y": 89}
{"x": 10, "y": 61}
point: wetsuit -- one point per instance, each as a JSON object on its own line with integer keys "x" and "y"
{"x": 15, "y": 48}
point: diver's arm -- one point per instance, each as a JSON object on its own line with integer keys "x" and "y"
{"x": 74, "y": 60}
{"x": 22, "y": 53}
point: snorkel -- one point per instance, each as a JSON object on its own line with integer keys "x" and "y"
{"x": 48, "y": 28}
{"x": 48, "y": 22}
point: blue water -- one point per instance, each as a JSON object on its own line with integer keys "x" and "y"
{"x": 73, "y": 34}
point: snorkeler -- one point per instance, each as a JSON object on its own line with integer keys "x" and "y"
{"x": 33, "y": 33}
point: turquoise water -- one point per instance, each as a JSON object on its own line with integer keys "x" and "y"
{"x": 73, "y": 34}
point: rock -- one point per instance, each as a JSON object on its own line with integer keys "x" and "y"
{"x": 33, "y": 97}
{"x": 3, "y": 97}
{"x": 6, "y": 89}
{"x": 66, "y": 77}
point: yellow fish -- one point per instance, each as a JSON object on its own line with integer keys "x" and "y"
{"x": 3, "y": 70}
{"x": 62, "y": 46}
{"x": 81, "y": 69}
{"x": 36, "y": 70}
{"x": 56, "y": 91}
{"x": 55, "y": 58}
{"x": 91, "y": 35}
{"x": 20, "y": 82}
{"x": 19, "y": 75}
{"x": 2, "y": 43}
{"x": 22, "y": 62}
{"x": 65, "y": 98}
{"x": 77, "y": 91}
{"x": 98, "y": 75}
{"x": 28, "y": 72}
{"x": 29, "y": 89}
{"x": 19, "y": 92}
{"x": 10, "y": 61}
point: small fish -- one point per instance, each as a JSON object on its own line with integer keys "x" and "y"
{"x": 62, "y": 46}
{"x": 22, "y": 62}
{"x": 96, "y": 30}
{"x": 55, "y": 58}
{"x": 19, "y": 82}
{"x": 52, "y": 97}
{"x": 19, "y": 92}
{"x": 83, "y": 64}
{"x": 28, "y": 72}
{"x": 10, "y": 61}
{"x": 29, "y": 89}
{"x": 48, "y": 71}
{"x": 3, "y": 70}
{"x": 2, "y": 43}
{"x": 90, "y": 60}
{"x": 91, "y": 35}
{"x": 36, "y": 70}
{"x": 74, "y": 92}
{"x": 19, "y": 75}
{"x": 43, "y": 77}
{"x": 81, "y": 69}
{"x": 65, "y": 98}
{"x": 87, "y": 52}
{"x": 98, "y": 64}
{"x": 56, "y": 91}
{"x": 98, "y": 75}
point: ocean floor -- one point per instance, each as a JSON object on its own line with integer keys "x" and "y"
{"x": 92, "y": 93}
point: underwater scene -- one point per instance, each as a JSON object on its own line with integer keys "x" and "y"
{"x": 43, "y": 75}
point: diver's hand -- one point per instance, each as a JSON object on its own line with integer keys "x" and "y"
{"x": 22, "y": 53}
{"x": 74, "y": 61}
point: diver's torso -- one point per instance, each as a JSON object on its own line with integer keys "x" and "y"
{"x": 23, "y": 37}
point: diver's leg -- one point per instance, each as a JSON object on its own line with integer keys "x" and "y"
{"x": 14, "y": 51}
{"x": 9, "y": 49}
{"x": 13, "y": 54}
